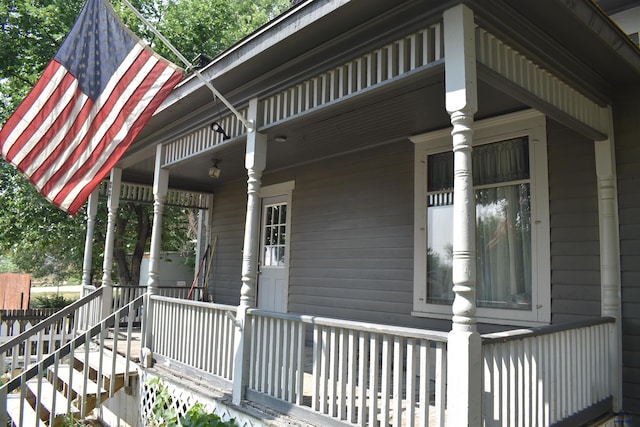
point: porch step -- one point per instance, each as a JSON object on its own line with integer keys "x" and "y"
{"x": 29, "y": 416}
{"x": 116, "y": 377}
{"x": 107, "y": 362}
{"x": 77, "y": 382}
{"x": 61, "y": 389}
{"x": 47, "y": 391}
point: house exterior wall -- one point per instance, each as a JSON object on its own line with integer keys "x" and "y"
{"x": 627, "y": 139}
{"x": 352, "y": 234}
{"x": 229, "y": 212}
{"x": 573, "y": 207}
{"x": 352, "y": 241}
{"x": 173, "y": 268}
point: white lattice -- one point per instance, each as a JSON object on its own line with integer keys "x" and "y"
{"x": 182, "y": 399}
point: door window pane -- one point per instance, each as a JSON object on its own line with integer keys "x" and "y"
{"x": 274, "y": 227}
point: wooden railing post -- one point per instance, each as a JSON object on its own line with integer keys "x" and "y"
{"x": 3, "y": 406}
{"x": 241, "y": 355}
{"x": 464, "y": 344}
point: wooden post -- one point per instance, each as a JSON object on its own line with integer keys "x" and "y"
{"x": 255, "y": 162}
{"x": 160, "y": 189}
{"x": 92, "y": 209}
{"x": 464, "y": 345}
{"x": 610, "y": 256}
{"x": 107, "y": 264}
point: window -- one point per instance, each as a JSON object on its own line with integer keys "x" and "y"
{"x": 274, "y": 234}
{"x": 512, "y": 221}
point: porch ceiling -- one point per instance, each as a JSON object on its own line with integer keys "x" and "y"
{"x": 392, "y": 114}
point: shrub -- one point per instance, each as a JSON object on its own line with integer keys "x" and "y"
{"x": 49, "y": 301}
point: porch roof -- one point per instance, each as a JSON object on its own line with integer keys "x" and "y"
{"x": 574, "y": 40}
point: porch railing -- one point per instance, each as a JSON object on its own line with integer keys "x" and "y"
{"x": 544, "y": 375}
{"x": 50, "y": 334}
{"x": 123, "y": 295}
{"x": 350, "y": 371}
{"x": 196, "y": 334}
{"x": 361, "y": 373}
{"x": 336, "y": 371}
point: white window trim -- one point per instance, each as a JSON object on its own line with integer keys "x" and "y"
{"x": 533, "y": 124}
{"x": 279, "y": 189}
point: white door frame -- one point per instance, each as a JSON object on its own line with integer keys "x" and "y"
{"x": 282, "y": 189}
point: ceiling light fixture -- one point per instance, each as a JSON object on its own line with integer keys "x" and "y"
{"x": 214, "y": 170}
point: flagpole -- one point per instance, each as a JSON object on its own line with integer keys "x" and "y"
{"x": 247, "y": 123}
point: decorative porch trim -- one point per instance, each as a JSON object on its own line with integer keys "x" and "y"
{"x": 408, "y": 54}
{"x": 525, "y": 74}
{"x": 395, "y": 59}
{"x": 131, "y": 192}
{"x": 203, "y": 139}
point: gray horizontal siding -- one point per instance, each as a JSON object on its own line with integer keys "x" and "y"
{"x": 352, "y": 237}
{"x": 627, "y": 138}
{"x": 573, "y": 205}
{"x": 229, "y": 212}
{"x": 352, "y": 234}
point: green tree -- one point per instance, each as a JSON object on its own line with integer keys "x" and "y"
{"x": 197, "y": 27}
{"x": 40, "y": 238}
{"x": 32, "y": 30}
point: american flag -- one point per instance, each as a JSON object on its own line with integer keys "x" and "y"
{"x": 93, "y": 98}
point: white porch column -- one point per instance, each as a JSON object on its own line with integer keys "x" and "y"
{"x": 255, "y": 162}
{"x": 107, "y": 264}
{"x": 92, "y": 210}
{"x": 464, "y": 347}
{"x": 160, "y": 189}
{"x": 610, "y": 255}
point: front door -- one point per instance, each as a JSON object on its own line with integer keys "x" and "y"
{"x": 273, "y": 278}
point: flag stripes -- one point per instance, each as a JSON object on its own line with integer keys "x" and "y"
{"x": 93, "y": 123}
{"x": 91, "y": 172}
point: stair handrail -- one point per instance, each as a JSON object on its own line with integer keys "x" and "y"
{"x": 40, "y": 368}
{"x": 24, "y": 336}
